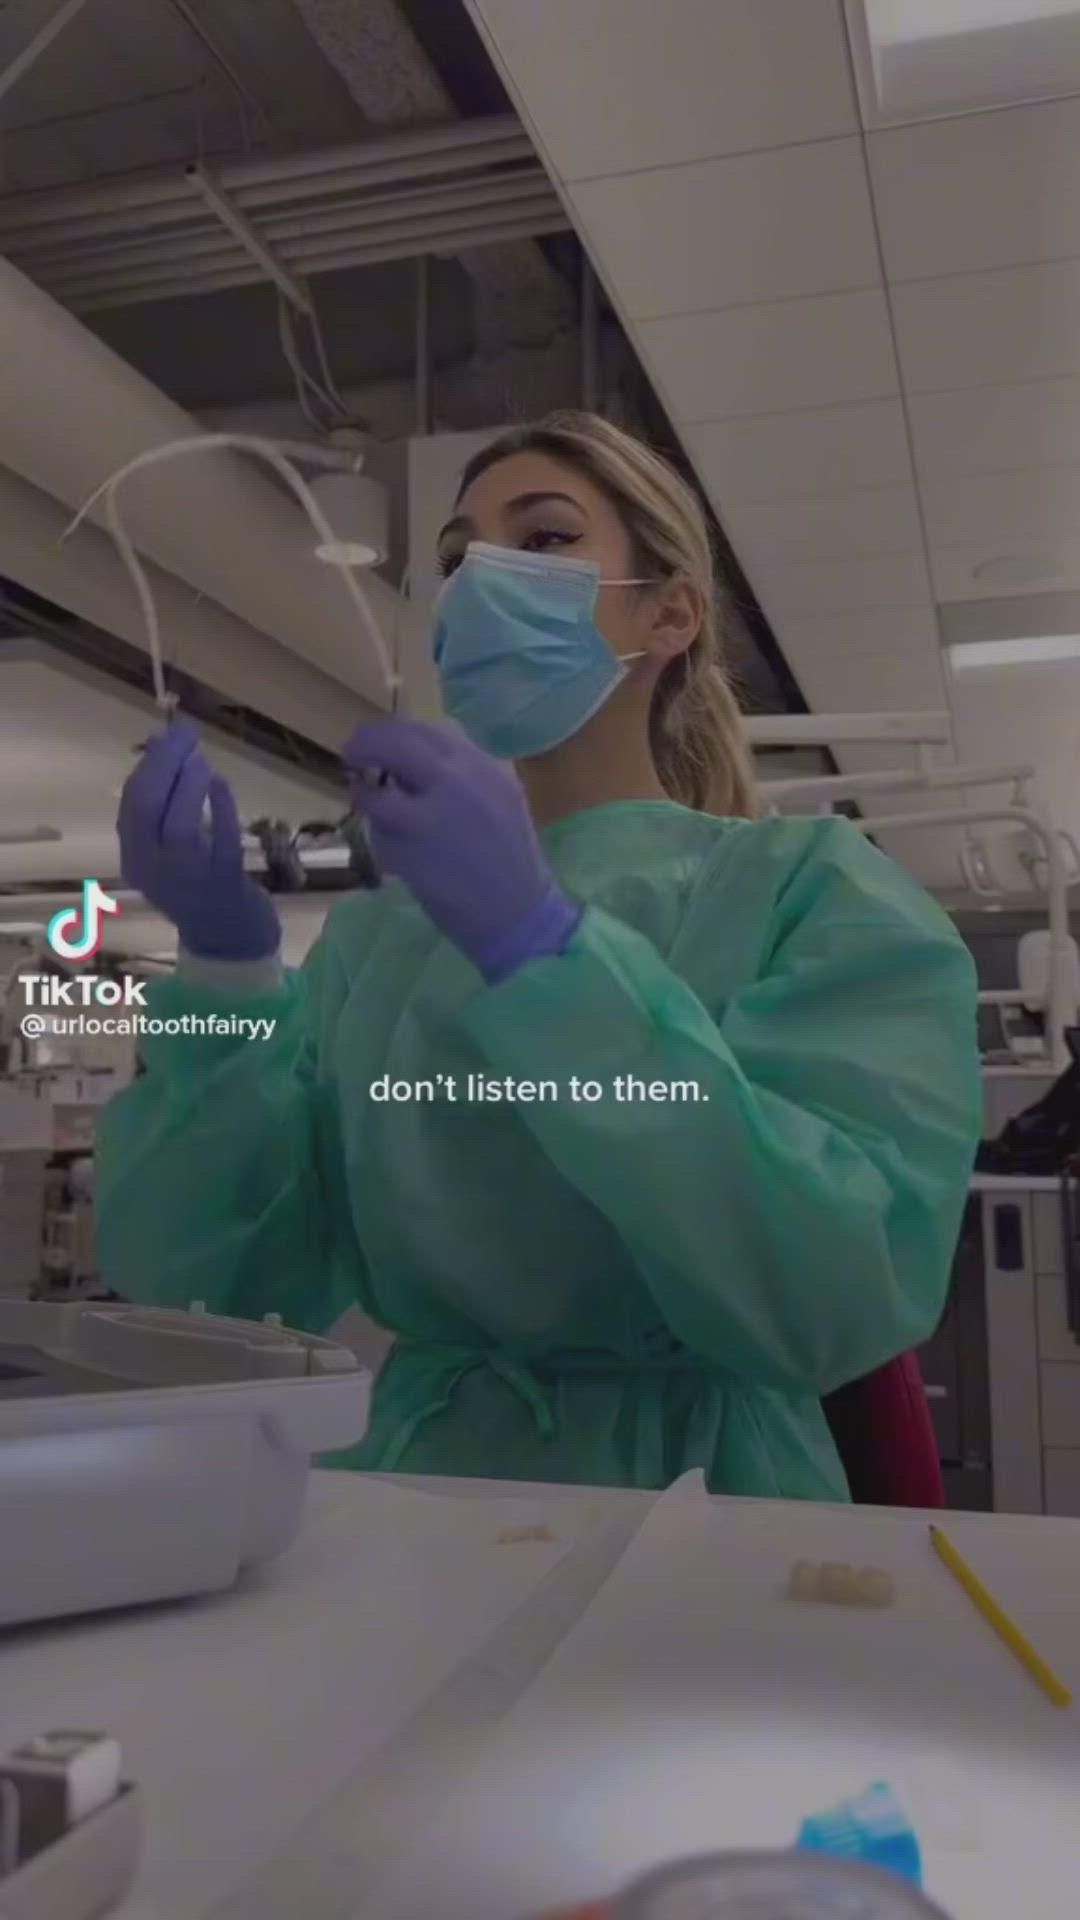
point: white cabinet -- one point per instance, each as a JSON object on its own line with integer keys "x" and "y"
{"x": 1034, "y": 1355}
{"x": 1013, "y": 1352}
{"x": 1061, "y": 1475}
{"x": 1060, "y": 1395}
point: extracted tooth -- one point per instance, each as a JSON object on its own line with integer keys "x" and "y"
{"x": 840, "y": 1585}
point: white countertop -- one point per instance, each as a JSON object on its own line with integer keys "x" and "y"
{"x": 379, "y": 1707}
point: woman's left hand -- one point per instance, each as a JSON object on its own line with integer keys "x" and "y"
{"x": 453, "y": 824}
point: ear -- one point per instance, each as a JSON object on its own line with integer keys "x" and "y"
{"x": 676, "y": 619}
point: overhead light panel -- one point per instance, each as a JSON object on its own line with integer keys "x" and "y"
{"x": 966, "y": 654}
{"x": 932, "y": 55}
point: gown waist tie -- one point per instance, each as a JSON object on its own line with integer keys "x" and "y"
{"x": 453, "y": 1364}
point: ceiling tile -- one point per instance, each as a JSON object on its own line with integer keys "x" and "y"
{"x": 1003, "y": 189}
{"x": 1028, "y": 505}
{"x": 874, "y": 520}
{"x": 988, "y": 329}
{"x": 914, "y": 683}
{"x": 718, "y": 88}
{"x": 956, "y": 576}
{"x": 844, "y": 586}
{"x": 887, "y": 632}
{"x": 786, "y": 456}
{"x": 775, "y": 357}
{"x": 796, "y": 221}
{"x": 994, "y": 428}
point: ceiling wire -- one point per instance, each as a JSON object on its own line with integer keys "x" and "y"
{"x": 324, "y": 364}
{"x": 310, "y": 391}
{"x": 249, "y": 102}
{"x": 307, "y": 388}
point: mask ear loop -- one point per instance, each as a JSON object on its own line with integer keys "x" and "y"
{"x": 204, "y": 443}
{"x": 638, "y": 580}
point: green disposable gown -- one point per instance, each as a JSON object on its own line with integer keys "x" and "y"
{"x": 593, "y": 1289}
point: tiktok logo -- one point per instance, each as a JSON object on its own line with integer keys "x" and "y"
{"x": 75, "y": 932}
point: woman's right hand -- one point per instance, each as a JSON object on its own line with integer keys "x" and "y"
{"x": 189, "y": 869}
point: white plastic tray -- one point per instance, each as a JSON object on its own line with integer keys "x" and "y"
{"x": 151, "y": 1455}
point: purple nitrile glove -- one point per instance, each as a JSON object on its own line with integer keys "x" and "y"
{"x": 193, "y": 872}
{"x": 453, "y": 824}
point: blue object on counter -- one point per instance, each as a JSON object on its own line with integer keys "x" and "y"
{"x": 872, "y": 1827}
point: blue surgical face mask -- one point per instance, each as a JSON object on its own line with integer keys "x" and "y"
{"x": 522, "y": 664}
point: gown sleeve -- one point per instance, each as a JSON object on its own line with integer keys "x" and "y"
{"x": 218, "y": 1172}
{"x": 795, "y": 1215}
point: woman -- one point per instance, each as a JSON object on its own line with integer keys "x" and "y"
{"x": 594, "y": 1289}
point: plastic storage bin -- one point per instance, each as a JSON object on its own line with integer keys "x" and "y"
{"x": 149, "y": 1455}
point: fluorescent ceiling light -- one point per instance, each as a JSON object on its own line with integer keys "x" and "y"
{"x": 892, "y": 21}
{"x": 20, "y": 927}
{"x": 1014, "y": 653}
{"x": 930, "y": 55}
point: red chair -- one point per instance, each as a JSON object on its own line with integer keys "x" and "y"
{"x": 885, "y": 1438}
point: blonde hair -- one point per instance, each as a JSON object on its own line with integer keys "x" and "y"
{"x": 695, "y": 728}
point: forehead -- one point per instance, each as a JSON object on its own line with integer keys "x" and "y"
{"x": 529, "y": 473}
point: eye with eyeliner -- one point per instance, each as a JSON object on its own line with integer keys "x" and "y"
{"x": 537, "y": 540}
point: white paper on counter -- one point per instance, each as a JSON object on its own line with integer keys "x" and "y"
{"x": 330, "y": 1866}
{"x": 240, "y": 1714}
{"x": 694, "y": 1708}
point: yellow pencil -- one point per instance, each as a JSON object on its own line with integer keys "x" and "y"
{"x": 1021, "y": 1649}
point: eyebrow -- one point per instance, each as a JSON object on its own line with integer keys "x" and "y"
{"x": 521, "y": 503}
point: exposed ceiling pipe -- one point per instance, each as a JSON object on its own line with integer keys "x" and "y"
{"x": 250, "y": 241}
{"x": 84, "y": 575}
{"x": 219, "y": 251}
{"x": 433, "y": 151}
{"x": 453, "y": 189}
{"x": 440, "y": 237}
{"x": 69, "y": 245}
{"x": 34, "y": 48}
{"x": 72, "y": 412}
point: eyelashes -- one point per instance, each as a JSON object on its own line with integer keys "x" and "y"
{"x": 540, "y": 540}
